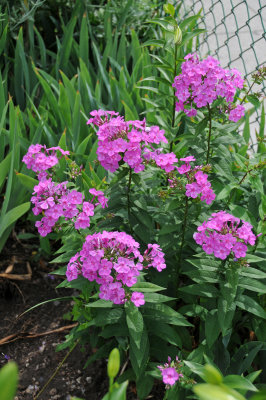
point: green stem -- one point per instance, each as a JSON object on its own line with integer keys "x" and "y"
{"x": 240, "y": 182}
{"x": 184, "y": 227}
{"x": 56, "y": 370}
{"x": 128, "y": 196}
{"x": 209, "y": 136}
{"x": 111, "y": 382}
{"x": 244, "y": 98}
{"x": 174, "y": 101}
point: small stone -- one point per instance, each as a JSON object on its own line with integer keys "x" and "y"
{"x": 78, "y": 379}
{"x": 53, "y": 392}
{"x": 27, "y": 364}
{"x": 89, "y": 379}
{"x": 30, "y": 389}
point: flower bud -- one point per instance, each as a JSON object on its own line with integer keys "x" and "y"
{"x": 178, "y": 35}
{"x": 113, "y": 363}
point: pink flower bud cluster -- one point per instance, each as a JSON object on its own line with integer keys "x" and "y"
{"x": 171, "y": 372}
{"x": 202, "y": 82}
{"x": 127, "y": 141}
{"x": 198, "y": 183}
{"x": 55, "y": 201}
{"x": 39, "y": 158}
{"x": 223, "y": 235}
{"x": 113, "y": 260}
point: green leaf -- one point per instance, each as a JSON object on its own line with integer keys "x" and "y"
{"x": 8, "y": 381}
{"x": 251, "y": 258}
{"x": 65, "y": 50}
{"x": 48, "y": 92}
{"x": 206, "y": 391}
{"x": 146, "y": 287}
{"x": 246, "y": 130}
{"x": 100, "y": 304}
{"x": 204, "y": 290}
{"x": 211, "y": 328}
{"x": 250, "y": 305}
{"x": 13, "y": 215}
{"x": 212, "y": 375}
{"x": 84, "y": 40}
{"x": 169, "y": 9}
{"x": 154, "y": 42}
{"x": 134, "y": 322}
{"x": 252, "y": 284}
{"x": 5, "y": 167}
{"x": 165, "y": 332}
{"x": 243, "y": 358}
{"x": 259, "y": 396}
{"x": 239, "y": 382}
{"x": 118, "y": 393}
{"x": 253, "y": 100}
{"x": 109, "y": 316}
{"x": 27, "y": 181}
{"x": 157, "y": 298}
{"x": 168, "y": 24}
{"x": 164, "y": 313}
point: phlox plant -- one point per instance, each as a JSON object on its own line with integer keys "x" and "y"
{"x": 183, "y": 215}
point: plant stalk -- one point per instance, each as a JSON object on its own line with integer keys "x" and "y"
{"x": 128, "y": 196}
{"x": 209, "y": 135}
{"x": 184, "y": 227}
{"x": 56, "y": 370}
{"x": 174, "y": 101}
{"x": 249, "y": 90}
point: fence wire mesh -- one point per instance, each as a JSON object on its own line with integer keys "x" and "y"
{"x": 235, "y": 33}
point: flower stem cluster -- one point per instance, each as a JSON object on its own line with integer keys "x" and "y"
{"x": 113, "y": 260}
{"x": 171, "y": 372}
{"x": 224, "y": 235}
{"x": 202, "y": 82}
{"x": 129, "y": 142}
{"x": 198, "y": 183}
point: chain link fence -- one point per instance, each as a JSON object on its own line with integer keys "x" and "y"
{"x": 235, "y": 34}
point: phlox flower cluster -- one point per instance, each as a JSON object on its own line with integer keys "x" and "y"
{"x": 113, "y": 260}
{"x": 171, "y": 372}
{"x": 56, "y": 200}
{"x": 198, "y": 183}
{"x": 223, "y": 234}
{"x": 39, "y": 158}
{"x": 202, "y": 82}
{"x": 129, "y": 142}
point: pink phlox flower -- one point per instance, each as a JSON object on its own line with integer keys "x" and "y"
{"x": 138, "y": 299}
{"x": 88, "y": 208}
{"x": 170, "y": 376}
{"x": 237, "y": 113}
{"x": 192, "y": 190}
{"x": 100, "y": 117}
{"x": 202, "y": 82}
{"x": 222, "y": 235}
{"x": 191, "y": 112}
{"x": 239, "y": 250}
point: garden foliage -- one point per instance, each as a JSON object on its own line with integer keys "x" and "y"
{"x": 162, "y": 219}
